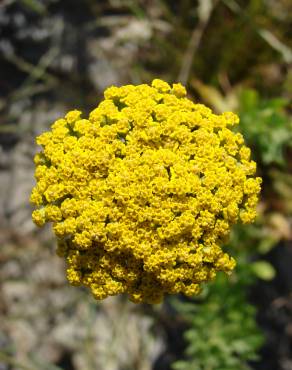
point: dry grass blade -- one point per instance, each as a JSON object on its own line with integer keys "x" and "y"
{"x": 197, "y": 34}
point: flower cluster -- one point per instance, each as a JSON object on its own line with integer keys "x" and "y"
{"x": 143, "y": 193}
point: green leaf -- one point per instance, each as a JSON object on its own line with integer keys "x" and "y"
{"x": 263, "y": 270}
{"x": 265, "y": 125}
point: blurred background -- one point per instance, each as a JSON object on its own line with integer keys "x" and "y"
{"x": 58, "y": 55}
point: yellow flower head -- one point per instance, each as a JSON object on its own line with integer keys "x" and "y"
{"x": 143, "y": 193}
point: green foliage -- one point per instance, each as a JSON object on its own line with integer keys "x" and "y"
{"x": 263, "y": 270}
{"x": 222, "y": 333}
{"x": 265, "y": 126}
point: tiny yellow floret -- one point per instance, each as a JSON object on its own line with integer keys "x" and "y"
{"x": 143, "y": 193}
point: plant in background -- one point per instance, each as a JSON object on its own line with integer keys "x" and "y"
{"x": 265, "y": 126}
{"x": 143, "y": 193}
{"x": 223, "y": 332}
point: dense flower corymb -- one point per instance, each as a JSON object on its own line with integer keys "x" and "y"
{"x": 143, "y": 192}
